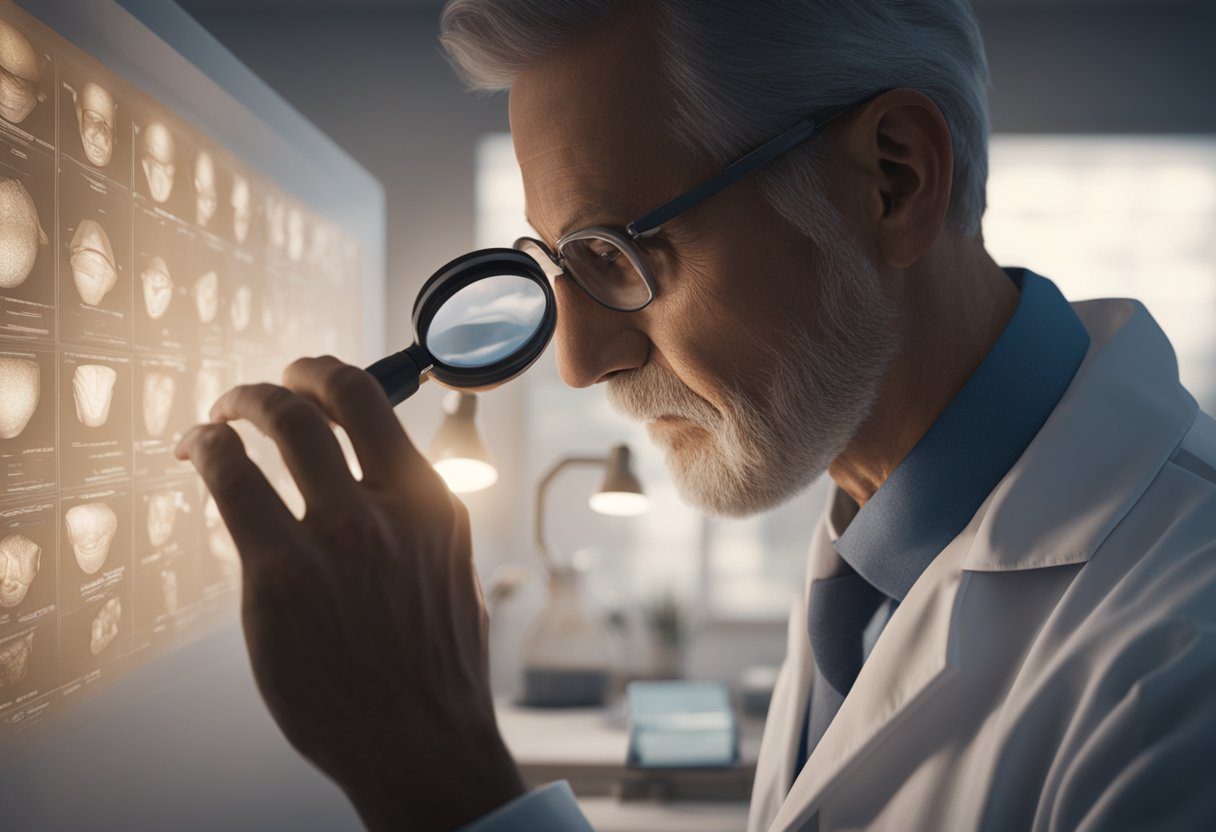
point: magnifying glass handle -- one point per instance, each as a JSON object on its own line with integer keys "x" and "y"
{"x": 401, "y": 373}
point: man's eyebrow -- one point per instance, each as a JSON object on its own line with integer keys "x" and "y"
{"x": 585, "y": 217}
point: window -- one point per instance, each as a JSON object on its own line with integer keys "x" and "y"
{"x": 1117, "y": 217}
{"x": 1100, "y": 216}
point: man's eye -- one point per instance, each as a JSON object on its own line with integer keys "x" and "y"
{"x": 607, "y": 253}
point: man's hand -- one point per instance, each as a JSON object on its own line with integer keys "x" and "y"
{"x": 364, "y": 621}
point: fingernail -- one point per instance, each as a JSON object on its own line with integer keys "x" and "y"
{"x": 214, "y": 413}
{"x": 182, "y": 451}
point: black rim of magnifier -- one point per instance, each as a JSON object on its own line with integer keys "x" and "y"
{"x": 464, "y": 271}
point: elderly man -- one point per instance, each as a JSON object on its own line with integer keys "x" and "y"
{"x": 96, "y": 116}
{"x": 1024, "y": 505}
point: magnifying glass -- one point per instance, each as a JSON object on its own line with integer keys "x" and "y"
{"x": 480, "y": 320}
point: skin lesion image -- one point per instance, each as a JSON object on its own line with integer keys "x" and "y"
{"x": 96, "y": 116}
{"x": 20, "y": 558}
{"x": 159, "y": 390}
{"x": 157, "y": 154}
{"x": 105, "y": 626}
{"x": 93, "y": 390}
{"x": 206, "y": 293}
{"x": 20, "y": 75}
{"x": 276, "y": 221}
{"x": 20, "y": 389}
{"x": 208, "y": 386}
{"x": 240, "y": 310}
{"x": 168, "y": 590}
{"x": 91, "y": 528}
{"x": 91, "y": 256}
{"x": 15, "y": 660}
{"x": 219, "y": 540}
{"x": 295, "y": 234}
{"x": 206, "y": 195}
{"x": 21, "y": 233}
{"x": 158, "y": 287}
{"x": 242, "y": 208}
{"x": 162, "y": 517}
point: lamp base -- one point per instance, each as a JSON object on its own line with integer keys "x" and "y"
{"x": 558, "y": 688}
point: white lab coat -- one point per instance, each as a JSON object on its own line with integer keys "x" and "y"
{"x": 1055, "y": 666}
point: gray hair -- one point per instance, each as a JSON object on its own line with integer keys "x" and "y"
{"x": 742, "y": 72}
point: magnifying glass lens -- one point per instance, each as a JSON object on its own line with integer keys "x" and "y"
{"x": 486, "y": 321}
{"x": 482, "y": 319}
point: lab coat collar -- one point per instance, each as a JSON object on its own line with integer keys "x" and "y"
{"x": 1119, "y": 421}
{"x": 1079, "y": 476}
{"x": 935, "y": 491}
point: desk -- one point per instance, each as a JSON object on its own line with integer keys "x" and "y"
{"x": 588, "y": 746}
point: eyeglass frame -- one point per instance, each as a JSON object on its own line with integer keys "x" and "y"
{"x": 652, "y": 222}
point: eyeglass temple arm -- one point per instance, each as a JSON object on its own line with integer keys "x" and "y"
{"x": 649, "y": 223}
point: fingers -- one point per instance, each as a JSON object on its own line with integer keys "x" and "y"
{"x": 309, "y": 448}
{"x": 252, "y": 510}
{"x": 353, "y": 399}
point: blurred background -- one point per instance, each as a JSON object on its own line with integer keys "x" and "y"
{"x": 1103, "y": 178}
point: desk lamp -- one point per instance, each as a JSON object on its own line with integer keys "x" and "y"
{"x": 568, "y": 655}
{"x": 620, "y": 493}
{"x": 458, "y": 452}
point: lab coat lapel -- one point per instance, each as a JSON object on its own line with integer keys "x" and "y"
{"x": 911, "y": 659}
{"x": 783, "y": 728}
{"x": 786, "y": 721}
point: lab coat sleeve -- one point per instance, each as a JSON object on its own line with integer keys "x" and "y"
{"x": 550, "y": 808}
{"x": 1150, "y": 763}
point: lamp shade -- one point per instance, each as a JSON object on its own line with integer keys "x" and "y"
{"x": 458, "y": 453}
{"x": 620, "y": 494}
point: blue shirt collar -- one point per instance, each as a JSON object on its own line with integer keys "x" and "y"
{"x": 935, "y": 491}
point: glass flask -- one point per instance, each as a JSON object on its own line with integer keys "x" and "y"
{"x": 568, "y": 655}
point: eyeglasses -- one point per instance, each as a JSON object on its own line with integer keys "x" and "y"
{"x": 607, "y": 263}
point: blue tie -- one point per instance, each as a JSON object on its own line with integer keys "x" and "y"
{"x": 839, "y": 610}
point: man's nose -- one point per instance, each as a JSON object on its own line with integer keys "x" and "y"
{"x": 593, "y": 342}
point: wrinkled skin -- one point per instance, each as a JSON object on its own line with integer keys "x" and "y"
{"x": 364, "y": 621}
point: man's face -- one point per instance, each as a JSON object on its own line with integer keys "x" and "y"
{"x": 158, "y": 288}
{"x": 763, "y": 350}
{"x": 19, "y": 561}
{"x": 157, "y": 160}
{"x": 19, "y": 75}
{"x": 242, "y": 209}
{"x": 91, "y": 528}
{"x": 95, "y": 115}
{"x": 206, "y": 197}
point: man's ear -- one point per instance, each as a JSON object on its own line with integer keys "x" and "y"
{"x": 902, "y": 144}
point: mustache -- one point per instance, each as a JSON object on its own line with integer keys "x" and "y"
{"x": 651, "y": 391}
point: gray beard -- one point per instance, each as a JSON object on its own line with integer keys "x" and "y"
{"x": 760, "y": 450}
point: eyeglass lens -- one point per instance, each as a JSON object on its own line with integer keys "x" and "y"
{"x": 602, "y": 268}
{"x": 606, "y": 271}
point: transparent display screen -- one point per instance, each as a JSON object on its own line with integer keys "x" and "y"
{"x": 144, "y": 269}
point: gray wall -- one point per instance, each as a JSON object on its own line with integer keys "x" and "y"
{"x": 1101, "y": 66}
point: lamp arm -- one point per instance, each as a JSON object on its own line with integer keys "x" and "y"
{"x": 542, "y": 544}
